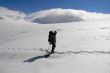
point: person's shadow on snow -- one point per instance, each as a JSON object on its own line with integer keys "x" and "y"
{"x": 36, "y": 58}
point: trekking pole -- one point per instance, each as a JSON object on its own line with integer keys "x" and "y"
{"x": 48, "y": 48}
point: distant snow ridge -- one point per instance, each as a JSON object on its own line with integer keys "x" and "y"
{"x": 64, "y": 15}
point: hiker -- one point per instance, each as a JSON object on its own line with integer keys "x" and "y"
{"x": 52, "y": 39}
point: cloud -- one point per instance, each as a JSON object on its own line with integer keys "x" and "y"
{"x": 59, "y": 15}
{"x": 8, "y": 14}
{"x": 50, "y": 16}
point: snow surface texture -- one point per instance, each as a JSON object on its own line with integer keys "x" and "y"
{"x": 82, "y": 47}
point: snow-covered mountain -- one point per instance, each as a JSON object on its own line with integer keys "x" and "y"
{"x": 82, "y": 47}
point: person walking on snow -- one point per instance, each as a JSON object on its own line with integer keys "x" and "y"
{"x": 52, "y": 39}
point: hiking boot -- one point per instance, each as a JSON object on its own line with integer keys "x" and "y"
{"x": 51, "y": 52}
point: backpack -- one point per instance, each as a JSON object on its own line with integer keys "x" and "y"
{"x": 52, "y": 36}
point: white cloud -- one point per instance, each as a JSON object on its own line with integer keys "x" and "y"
{"x": 65, "y": 15}
{"x": 57, "y": 15}
{"x": 8, "y": 14}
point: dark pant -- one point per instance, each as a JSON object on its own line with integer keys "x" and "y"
{"x": 53, "y": 47}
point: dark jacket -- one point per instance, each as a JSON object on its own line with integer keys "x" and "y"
{"x": 52, "y": 37}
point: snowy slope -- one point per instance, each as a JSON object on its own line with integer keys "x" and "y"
{"x": 82, "y": 47}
